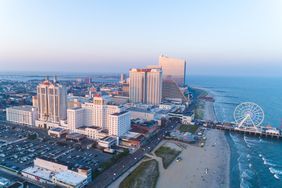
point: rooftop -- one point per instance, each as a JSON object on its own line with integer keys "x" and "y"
{"x": 75, "y": 108}
{"x": 139, "y": 110}
{"x": 24, "y": 108}
{"x": 39, "y": 172}
{"x": 131, "y": 135}
{"x": 70, "y": 177}
{"x": 108, "y": 139}
{"x": 57, "y": 129}
{"x": 119, "y": 113}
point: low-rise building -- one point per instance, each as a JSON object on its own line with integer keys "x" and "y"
{"x": 107, "y": 142}
{"x": 75, "y": 137}
{"x": 50, "y": 172}
{"x": 46, "y": 124}
{"x": 141, "y": 113}
{"x": 25, "y": 115}
{"x": 57, "y": 132}
{"x": 146, "y": 129}
{"x": 131, "y": 140}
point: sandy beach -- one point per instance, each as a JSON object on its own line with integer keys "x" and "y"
{"x": 192, "y": 170}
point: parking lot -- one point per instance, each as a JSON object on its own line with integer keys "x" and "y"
{"x": 17, "y": 152}
{"x": 10, "y": 133}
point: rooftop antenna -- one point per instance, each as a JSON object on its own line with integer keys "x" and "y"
{"x": 47, "y": 78}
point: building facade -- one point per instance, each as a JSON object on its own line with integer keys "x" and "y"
{"x": 119, "y": 123}
{"x": 96, "y": 113}
{"x": 145, "y": 86}
{"x": 137, "y": 85}
{"x": 95, "y": 119}
{"x": 52, "y": 102}
{"x": 173, "y": 69}
{"x": 25, "y": 115}
{"x": 75, "y": 118}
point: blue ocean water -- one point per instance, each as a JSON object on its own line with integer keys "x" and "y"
{"x": 255, "y": 162}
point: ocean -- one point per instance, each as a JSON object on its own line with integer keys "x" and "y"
{"x": 255, "y": 162}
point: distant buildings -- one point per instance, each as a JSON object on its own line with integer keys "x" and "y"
{"x": 145, "y": 86}
{"x": 122, "y": 78}
{"x": 157, "y": 82}
{"x": 25, "y": 115}
{"x": 173, "y": 69}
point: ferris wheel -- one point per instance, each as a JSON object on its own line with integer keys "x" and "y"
{"x": 248, "y": 114}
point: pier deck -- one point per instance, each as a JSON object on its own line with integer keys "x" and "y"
{"x": 259, "y": 132}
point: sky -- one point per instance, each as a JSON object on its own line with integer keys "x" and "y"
{"x": 222, "y": 37}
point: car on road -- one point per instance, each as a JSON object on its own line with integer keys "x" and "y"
{"x": 178, "y": 159}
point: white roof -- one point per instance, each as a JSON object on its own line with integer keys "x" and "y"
{"x": 23, "y": 108}
{"x": 39, "y": 172}
{"x": 67, "y": 177}
{"x": 70, "y": 177}
{"x": 131, "y": 135}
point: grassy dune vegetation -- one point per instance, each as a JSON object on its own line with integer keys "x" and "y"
{"x": 167, "y": 154}
{"x": 145, "y": 175}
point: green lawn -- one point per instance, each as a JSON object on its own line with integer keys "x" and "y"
{"x": 145, "y": 175}
{"x": 167, "y": 154}
{"x": 188, "y": 128}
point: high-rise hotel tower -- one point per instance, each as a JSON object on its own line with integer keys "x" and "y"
{"x": 173, "y": 69}
{"x": 52, "y": 101}
{"x": 145, "y": 86}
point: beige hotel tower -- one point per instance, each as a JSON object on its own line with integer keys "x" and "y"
{"x": 51, "y": 101}
{"x": 173, "y": 69}
{"x": 145, "y": 86}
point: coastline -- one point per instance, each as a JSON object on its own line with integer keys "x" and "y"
{"x": 201, "y": 167}
{"x": 210, "y": 115}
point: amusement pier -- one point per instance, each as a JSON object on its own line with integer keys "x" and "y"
{"x": 248, "y": 120}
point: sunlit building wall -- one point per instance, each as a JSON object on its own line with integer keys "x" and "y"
{"x": 173, "y": 69}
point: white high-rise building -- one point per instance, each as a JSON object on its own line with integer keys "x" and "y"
{"x": 96, "y": 113}
{"x": 119, "y": 123}
{"x": 25, "y": 115}
{"x": 52, "y": 101}
{"x": 145, "y": 86}
{"x": 75, "y": 118}
{"x": 97, "y": 116}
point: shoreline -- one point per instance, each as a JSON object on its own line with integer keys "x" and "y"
{"x": 210, "y": 115}
{"x": 201, "y": 167}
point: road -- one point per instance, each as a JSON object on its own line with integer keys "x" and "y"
{"x": 111, "y": 174}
